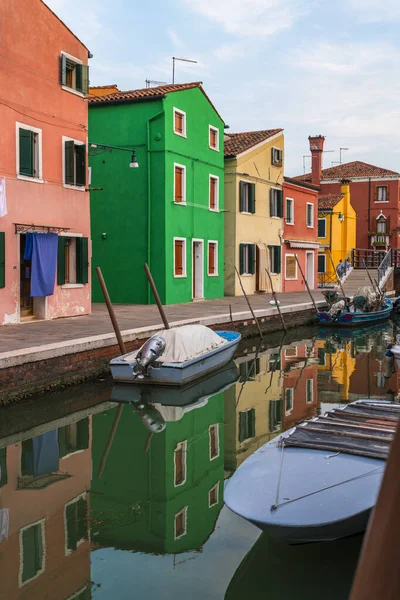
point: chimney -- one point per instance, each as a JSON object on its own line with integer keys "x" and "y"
{"x": 316, "y": 147}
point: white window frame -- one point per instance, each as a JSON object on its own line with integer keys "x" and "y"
{"x": 184, "y": 511}
{"x": 311, "y": 399}
{"x": 78, "y": 593}
{"x": 180, "y": 112}
{"x": 245, "y": 212}
{"x": 41, "y": 522}
{"x": 216, "y": 488}
{"x": 79, "y": 62}
{"x": 278, "y": 190}
{"x": 211, "y": 127}
{"x": 270, "y": 254}
{"x": 324, "y": 256}
{"x": 71, "y": 286}
{"x": 178, "y": 446}
{"x": 312, "y": 215}
{"x": 39, "y": 150}
{"x": 184, "y": 274}
{"x": 377, "y": 194}
{"x": 183, "y": 203}
{"x": 281, "y": 152}
{"x": 216, "y": 425}
{"x": 292, "y": 221}
{"x": 291, "y": 390}
{"x": 245, "y": 244}
{"x": 321, "y": 219}
{"x": 68, "y": 552}
{"x": 216, "y": 209}
{"x": 215, "y": 274}
{"x": 294, "y": 355}
{"x": 291, "y": 278}
{"x": 79, "y": 188}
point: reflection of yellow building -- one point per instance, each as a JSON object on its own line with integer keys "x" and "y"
{"x": 254, "y": 203}
{"x": 336, "y": 229}
{"x": 253, "y": 408}
{"x": 335, "y": 367}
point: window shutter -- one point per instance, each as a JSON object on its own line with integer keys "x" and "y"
{"x": 387, "y": 193}
{"x": 280, "y": 203}
{"x": 213, "y": 190}
{"x": 277, "y": 259}
{"x": 242, "y": 186}
{"x": 85, "y": 79}
{"x": 272, "y": 155}
{"x": 252, "y": 256}
{"x": 26, "y": 152}
{"x": 80, "y": 152}
{"x": 70, "y": 163}
{"x": 271, "y": 202}
{"x": 252, "y": 197}
{"x": 82, "y": 260}
{"x": 242, "y": 250}
{"x": 2, "y": 259}
{"x": 61, "y": 260}
{"x": 78, "y": 77}
{"x": 376, "y": 194}
{"x": 178, "y": 257}
{"x": 178, "y": 184}
{"x": 63, "y": 69}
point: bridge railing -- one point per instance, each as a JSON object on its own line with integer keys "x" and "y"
{"x": 371, "y": 259}
{"x": 384, "y": 266}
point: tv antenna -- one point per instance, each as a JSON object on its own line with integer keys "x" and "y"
{"x": 310, "y": 156}
{"x": 340, "y": 156}
{"x": 151, "y": 82}
{"x": 174, "y": 58}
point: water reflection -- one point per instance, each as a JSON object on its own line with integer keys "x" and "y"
{"x": 126, "y": 497}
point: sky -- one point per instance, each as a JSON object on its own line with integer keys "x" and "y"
{"x": 312, "y": 67}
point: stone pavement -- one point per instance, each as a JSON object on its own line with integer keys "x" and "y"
{"x": 38, "y": 333}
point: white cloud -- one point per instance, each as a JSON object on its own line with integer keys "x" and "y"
{"x": 175, "y": 39}
{"x": 376, "y": 12}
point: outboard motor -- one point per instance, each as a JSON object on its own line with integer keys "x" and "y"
{"x": 148, "y": 354}
{"x": 151, "y": 418}
{"x": 388, "y": 363}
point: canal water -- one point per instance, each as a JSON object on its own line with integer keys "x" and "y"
{"x": 108, "y": 500}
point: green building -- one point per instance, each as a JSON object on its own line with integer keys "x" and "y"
{"x": 168, "y": 212}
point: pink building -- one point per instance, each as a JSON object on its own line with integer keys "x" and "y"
{"x": 300, "y": 235}
{"x": 44, "y": 202}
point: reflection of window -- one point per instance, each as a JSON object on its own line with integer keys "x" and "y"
{"x": 309, "y": 390}
{"x": 290, "y": 352}
{"x": 76, "y": 523}
{"x": 247, "y": 424}
{"x": 180, "y": 463}
{"x": 213, "y": 495}
{"x": 73, "y": 437}
{"x": 321, "y": 356}
{"x": 274, "y": 363}
{"x": 82, "y": 594}
{"x": 214, "y": 441}
{"x": 249, "y": 369}
{"x": 32, "y": 555}
{"x": 275, "y": 415}
{"x": 289, "y": 395}
{"x": 380, "y": 380}
{"x": 180, "y": 524}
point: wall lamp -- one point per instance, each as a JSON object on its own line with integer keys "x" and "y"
{"x": 95, "y": 149}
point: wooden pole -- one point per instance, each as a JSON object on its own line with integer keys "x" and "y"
{"x": 337, "y": 276}
{"x": 230, "y": 314}
{"x": 276, "y": 300}
{"x": 111, "y": 310}
{"x": 306, "y": 282}
{"x": 248, "y": 304}
{"x": 110, "y": 440}
{"x": 156, "y": 296}
{"x": 378, "y": 572}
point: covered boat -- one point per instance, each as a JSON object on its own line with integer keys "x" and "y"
{"x": 176, "y": 356}
{"x": 319, "y": 480}
{"x": 368, "y": 307}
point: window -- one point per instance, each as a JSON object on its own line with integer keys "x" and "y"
{"x": 83, "y": 594}
{"x": 249, "y": 370}
{"x": 2, "y": 259}
{"x": 74, "y": 161}
{"x": 179, "y": 122}
{"x": 247, "y": 197}
{"x": 247, "y": 424}
{"x": 76, "y": 523}
{"x": 290, "y": 267}
{"x": 289, "y": 211}
{"x": 380, "y": 380}
{"x": 309, "y": 390}
{"x": 275, "y": 415}
{"x": 213, "y": 193}
{"x": 310, "y": 215}
{"x": 29, "y": 152}
{"x": 274, "y": 363}
{"x": 180, "y": 184}
{"x": 381, "y": 193}
{"x": 32, "y": 552}
{"x": 289, "y": 395}
{"x": 73, "y": 260}
{"x": 276, "y": 157}
{"x": 180, "y": 453}
{"x": 291, "y": 352}
{"x": 321, "y": 228}
{"x": 321, "y": 263}
{"x": 180, "y": 523}
{"x": 275, "y": 203}
{"x": 73, "y": 437}
{"x": 213, "y": 433}
{"x": 214, "y": 138}
{"x": 213, "y": 495}
{"x": 321, "y": 357}
{"x": 381, "y": 226}
{"x": 247, "y": 255}
{"x": 74, "y": 74}
{"x": 179, "y": 257}
{"x": 213, "y": 259}
{"x": 275, "y": 259}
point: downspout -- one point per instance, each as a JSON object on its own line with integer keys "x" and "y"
{"x": 369, "y": 209}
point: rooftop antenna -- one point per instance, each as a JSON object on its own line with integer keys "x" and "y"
{"x": 150, "y": 82}
{"x": 309, "y": 156}
{"x": 174, "y": 58}
{"x": 340, "y": 153}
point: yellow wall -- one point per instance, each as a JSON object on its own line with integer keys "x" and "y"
{"x": 253, "y": 166}
{"x": 341, "y": 365}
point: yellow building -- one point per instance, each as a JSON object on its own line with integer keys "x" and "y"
{"x": 336, "y": 231}
{"x": 254, "y": 202}
{"x": 336, "y": 364}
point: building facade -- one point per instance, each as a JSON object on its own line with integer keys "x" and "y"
{"x": 168, "y": 212}
{"x": 44, "y": 205}
{"x": 300, "y": 235}
{"x": 254, "y": 163}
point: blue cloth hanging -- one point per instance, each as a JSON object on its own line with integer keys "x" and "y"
{"x": 28, "y": 246}
{"x": 45, "y": 453}
{"x": 44, "y": 263}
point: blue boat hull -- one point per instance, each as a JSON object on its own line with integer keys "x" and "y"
{"x": 356, "y": 319}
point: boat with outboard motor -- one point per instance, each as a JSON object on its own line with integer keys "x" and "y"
{"x": 368, "y": 307}
{"x": 320, "y": 480}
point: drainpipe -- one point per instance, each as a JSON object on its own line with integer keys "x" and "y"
{"x": 369, "y": 208}
{"x": 153, "y": 118}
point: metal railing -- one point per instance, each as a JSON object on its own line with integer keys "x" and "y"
{"x": 327, "y": 280}
{"x": 367, "y": 258}
{"x": 384, "y": 266}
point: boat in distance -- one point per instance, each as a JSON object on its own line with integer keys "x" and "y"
{"x": 356, "y": 318}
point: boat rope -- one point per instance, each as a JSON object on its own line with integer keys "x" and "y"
{"x": 329, "y": 487}
{"x": 274, "y": 506}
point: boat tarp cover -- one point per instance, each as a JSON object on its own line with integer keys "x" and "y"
{"x": 188, "y": 342}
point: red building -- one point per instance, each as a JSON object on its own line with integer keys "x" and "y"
{"x": 300, "y": 235}
{"x": 374, "y": 192}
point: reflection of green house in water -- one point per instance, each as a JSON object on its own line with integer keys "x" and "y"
{"x": 165, "y": 500}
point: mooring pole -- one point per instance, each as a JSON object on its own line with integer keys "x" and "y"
{"x": 306, "y": 282}
{"x": 156, "y": 296}
{"x": 249, "y": 305}
{"x": 336, "y": 273}
{"x": 276, "y": 300}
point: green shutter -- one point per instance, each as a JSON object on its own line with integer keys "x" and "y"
{"x": 80, "y": 152}
{"x": 83, "y": 434}
{"x": 280, "y": 203}
{"x": 2, "y": 259}
{"x": 85, "y": 79}
{"x": 63, "y": 69}
{"x": 26, "y": 152}
{"x": 242, "y": 250}
{"x": 242, "y": 186}
{"x": 271, "y": 196}
{"x": 277, "y": 259}
{"x": 61, "y": 260}
{"x": 252, "y": 197}
{"x": 32, "y": 552}
{"x": 70, "y": 162}
{"x": 78, "y": 77}
{"x": 252, "y": 259}
{"x": 82, "y": 260}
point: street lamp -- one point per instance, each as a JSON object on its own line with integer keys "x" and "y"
{"x": 95, "y": 149}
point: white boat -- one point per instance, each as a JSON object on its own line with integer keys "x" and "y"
{"x": 176, "y": 356}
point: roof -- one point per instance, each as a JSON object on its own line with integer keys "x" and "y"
{"x": 102, "y": 87}
{"x": 351, "y": 170}
{"x": 236, "y": 143}
{"x": 303, "y": 184}
{"x": 66, "y": 27}
{"x": 328, "y": 201}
